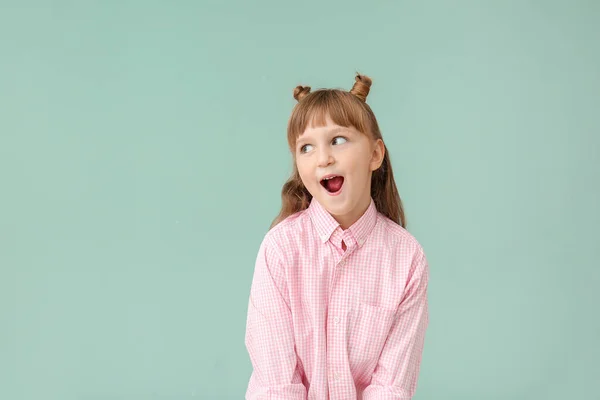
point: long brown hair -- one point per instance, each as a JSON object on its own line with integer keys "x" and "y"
{"x": 345, "y": 108}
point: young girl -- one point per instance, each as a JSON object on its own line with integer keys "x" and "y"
{"x": 338, "y": 303}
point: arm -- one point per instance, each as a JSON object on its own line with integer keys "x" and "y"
{"x": 396, "y": 374}
{"x": 270, "y": 334}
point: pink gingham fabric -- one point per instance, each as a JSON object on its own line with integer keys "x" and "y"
{"x": 329, "y": 324}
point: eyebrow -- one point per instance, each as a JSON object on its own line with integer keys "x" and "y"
{"x": 329, "y": 132}
{"x": 336, "y": 130}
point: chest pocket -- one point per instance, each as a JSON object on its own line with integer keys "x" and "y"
{"x": 368, "y": 332}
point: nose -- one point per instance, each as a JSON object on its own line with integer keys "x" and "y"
{"x": 324, "y": 157}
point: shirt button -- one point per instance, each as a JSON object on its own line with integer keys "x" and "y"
{"x": 336, "y": 320}
{"x": 342, "y": 263}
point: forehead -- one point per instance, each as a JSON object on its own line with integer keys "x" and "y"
{"x": 314, "y": 130}
{"x": 322, "y": 130}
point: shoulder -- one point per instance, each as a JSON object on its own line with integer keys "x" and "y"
{"x": 399, "y": 238}
{"x": 405, "y": 249}
{"x": 283, "y": 237}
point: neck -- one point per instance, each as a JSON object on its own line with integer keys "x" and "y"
{"x": 346, "y": 221}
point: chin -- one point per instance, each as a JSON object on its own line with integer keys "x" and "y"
{"x": 336, "y": 207}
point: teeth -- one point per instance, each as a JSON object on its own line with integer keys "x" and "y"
{"x": 331, "y": 177}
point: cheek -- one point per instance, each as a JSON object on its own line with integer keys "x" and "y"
{"x": 361, "y": 164}
{"x": 304, "y": 172}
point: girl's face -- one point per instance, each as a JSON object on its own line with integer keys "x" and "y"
{"x": 346, "y": 155}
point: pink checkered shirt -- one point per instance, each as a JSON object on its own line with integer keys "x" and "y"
{"x": 329, "y": 324}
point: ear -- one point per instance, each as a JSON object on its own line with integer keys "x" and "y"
{"x": 377, "y": 155}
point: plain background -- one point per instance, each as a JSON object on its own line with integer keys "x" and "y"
{"x": 143, "y": 150}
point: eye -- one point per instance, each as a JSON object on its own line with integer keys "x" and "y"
{"x": 303, "y": 148}
{"x": 340, "y": 137}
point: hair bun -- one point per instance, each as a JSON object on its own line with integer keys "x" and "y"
{"x": 361, "y": 87}
{"x": 300, "y": 92}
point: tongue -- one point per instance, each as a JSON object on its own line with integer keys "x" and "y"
{"x": 335, "y": 184}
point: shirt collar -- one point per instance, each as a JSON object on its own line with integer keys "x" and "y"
{"x": 325, "y": 224}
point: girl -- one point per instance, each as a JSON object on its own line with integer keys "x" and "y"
{"x": 338, "y": 304}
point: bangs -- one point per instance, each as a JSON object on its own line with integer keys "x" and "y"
{"x": 343, "y": 108}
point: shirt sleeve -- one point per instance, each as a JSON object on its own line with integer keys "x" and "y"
{"x": 396, "y": 374}
{"x": 269, "y": 336}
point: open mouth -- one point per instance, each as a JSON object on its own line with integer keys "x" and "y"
{"x": 332, "y": 183}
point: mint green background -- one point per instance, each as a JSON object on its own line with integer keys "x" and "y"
{"x": 142, "y": 153}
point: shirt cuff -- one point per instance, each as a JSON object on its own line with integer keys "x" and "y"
{"x": 296, "y": 391}
{"x": 379, "y": 392}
